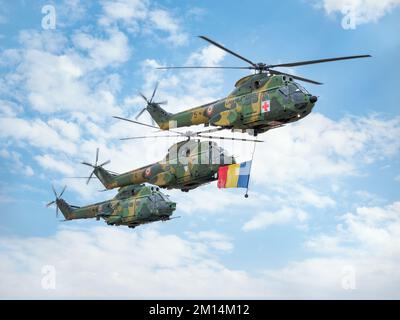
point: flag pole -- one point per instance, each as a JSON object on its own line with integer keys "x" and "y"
{"x": 248, "y": 181}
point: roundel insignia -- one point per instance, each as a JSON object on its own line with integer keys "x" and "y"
{"x": 209, "y": 110}
{"x": 147, "y": 172}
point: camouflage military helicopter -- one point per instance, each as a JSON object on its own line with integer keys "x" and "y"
{"x": 262, "y": 101}
{"x": 187, "y": 165}
{"x": 132, "y": 206}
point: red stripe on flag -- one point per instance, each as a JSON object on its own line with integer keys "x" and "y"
{"x": 222, "y": 174}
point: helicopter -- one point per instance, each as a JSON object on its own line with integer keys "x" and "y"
{"x": 132, "y": 206}
{"x": 262, "y": 101}
{"x": 187, "y": 165}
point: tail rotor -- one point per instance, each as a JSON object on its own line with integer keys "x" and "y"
{"x": 58, "y": 197}
{"x": 95, "y": 165}
{"x": 149, "y": 102}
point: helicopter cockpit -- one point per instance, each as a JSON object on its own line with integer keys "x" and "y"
{"x": 296, "y": 93}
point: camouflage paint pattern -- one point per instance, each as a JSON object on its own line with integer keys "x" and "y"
{"x": 132, "y": 206}
{"x": 187, "y": 165}
{"x": 242, "y": 109}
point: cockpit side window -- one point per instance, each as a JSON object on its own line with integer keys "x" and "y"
{"x": 302, "y": 89}
{"x": 293, "y": 88}
{"x": 284, "y": 90}
{"x": 295, "y": 93}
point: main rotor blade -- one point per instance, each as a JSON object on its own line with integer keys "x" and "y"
{"x": 228, "y": 50}
{"x": 301, "y": 63}
{"x": 148, "y": 125}
{"x": 140, "y": 113}
{"x": 295, "y": 77}
{"x": 211, "y": 130}
{"x": 154, "y": 92}
{"x": 227, "y": 138}
{"x": 65, "y": 187}
{"x": 79, "y": 177}
{"x": 137, "y": 122}
{"x": 203, "y": 67}
{"x": 145, "y": 137}
{"x": 57, "y": 212}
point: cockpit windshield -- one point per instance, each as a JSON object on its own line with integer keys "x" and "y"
{"x": 295, "y": 93}
{"x": 301, "y": 88}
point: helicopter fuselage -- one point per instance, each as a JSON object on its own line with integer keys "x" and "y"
{"x": 132, "y": 206}
{"x": 187, "y": 165}
{"x": 259, "y": 103}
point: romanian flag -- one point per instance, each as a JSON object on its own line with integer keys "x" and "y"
{"x": 234, "y": 175}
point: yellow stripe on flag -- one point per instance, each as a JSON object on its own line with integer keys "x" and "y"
{"x": 232, "y": 176}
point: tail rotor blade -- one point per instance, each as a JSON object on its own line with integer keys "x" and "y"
{"x": 65, "y": 187}
{"x": 162, "y": 102}
{"x": 154, "y": 92}
{"x": 97, "y": 156}
{"x": 87, "y": 164}
{"x": 140, "y": 113}
{"x": 144, "y": 97}
{"x": 104, "y": 163}
{"x": 90, "y": 177}
{"x": 54, "y": 191}
{"x": 50, "y": 203}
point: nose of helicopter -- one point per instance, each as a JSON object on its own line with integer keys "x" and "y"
{"x": 166, "y": 207}
{"x": 172, "y": 205}
{"x": 313, "y": 99}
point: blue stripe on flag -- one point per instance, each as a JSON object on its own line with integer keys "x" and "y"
{"x": 243, "y": 181}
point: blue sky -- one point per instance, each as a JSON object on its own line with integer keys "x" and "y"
{"x": 323, "y": 217}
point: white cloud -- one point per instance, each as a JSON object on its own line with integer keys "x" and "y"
{"x": 162, "y": 20}
{"x": 282, "y": 216}
{"x": 15, "y": 162}
{"x": 69, "y": 130}
{"x": 48, "y": 162}
{"x": 60, "y": 86}
{"x": 71, "y": 11}
{"x": 117, "y": 263}
{"x": 104, "y": 52}
{"x": 185, "y": 89}
{"x": 9, "y": 109}
{"x": 35, "y": 132}
{"x": 209, "y": 199}
{"x": 127, "y": 11}
{"x": 140, "y": 16}
{"x": 362, "y": 11}
{"x": 364, "y": 247}
{"x": 213, "y": 239}
{"x": 317, "y": 147}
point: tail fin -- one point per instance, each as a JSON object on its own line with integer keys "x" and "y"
{"x": 65, "y": 209}
{"x": 105, "y": 177}
{"x": 160, "y": 116}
